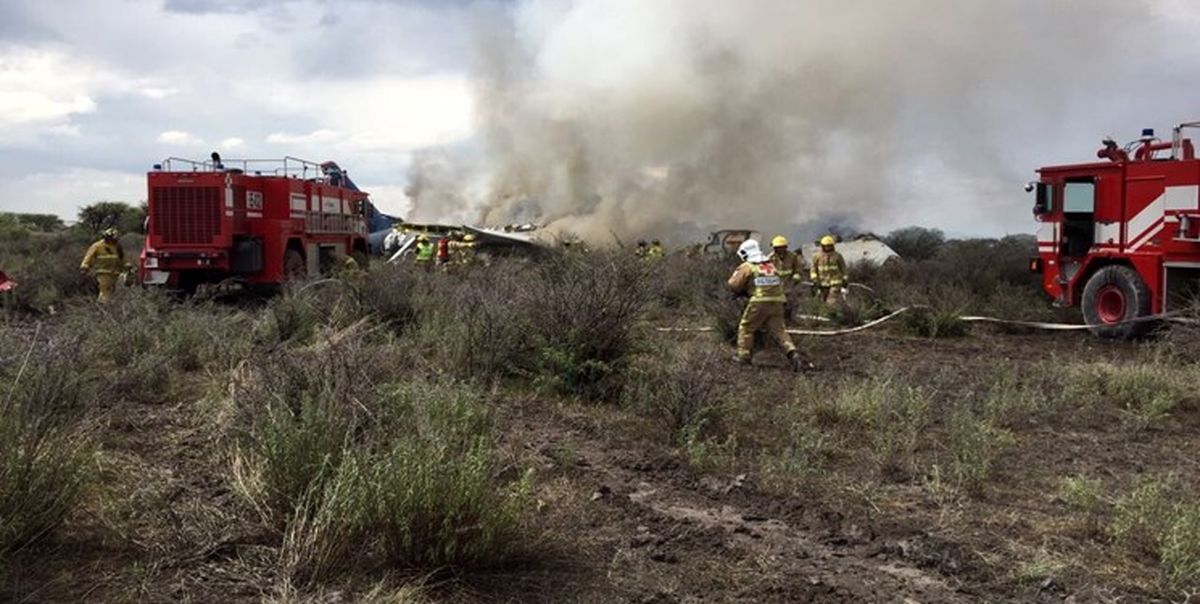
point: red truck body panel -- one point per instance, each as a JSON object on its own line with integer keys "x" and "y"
{"x": 1140, "y": 210}
{"x": 209, "y": 224}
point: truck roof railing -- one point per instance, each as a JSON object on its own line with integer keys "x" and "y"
{"x": 291, "y": 167}
{"x": 1177, "y": 140}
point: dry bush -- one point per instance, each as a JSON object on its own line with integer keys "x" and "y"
{"x": 566, "y": 323}
{"x": 46, "y": 455}
{"x": 684, "y": 391}
{"x": 582, "y": 310}
{"x": 46, "y": 267}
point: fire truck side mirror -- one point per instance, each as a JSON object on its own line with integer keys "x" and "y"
{"x": 1030, "y": 186}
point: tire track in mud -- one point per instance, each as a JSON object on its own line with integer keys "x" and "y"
{"x": 669, "y": 539}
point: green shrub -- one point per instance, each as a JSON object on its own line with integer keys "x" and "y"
{"x": 935, "y": 322}
{"x": 1158, "y": 520}
{"x": 1180, "y": 553}
{"x": 353, "y": 474}
{"x": 972, "y": 446}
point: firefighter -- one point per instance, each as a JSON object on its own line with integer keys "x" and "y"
{"x": 443, "y": 250}
{"x": 790, "y": 267}
{"x": 757, "y": 279}
{"x": 466, "y": 250}
{"x": 424, "y": 253}
{"x": 106, "y": 260}
{"x": 351, "y": 272}
{"x": 656, "y": 250}
{"x": 641, "y": 251}
{"x": 828, "y": 272}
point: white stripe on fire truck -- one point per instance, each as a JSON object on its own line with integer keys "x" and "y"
{"x": 1145, "y": 238}
{"x": 1182, "y": 198}
{"x": 1140, "y": 227}
{"x": 254, "y": 214}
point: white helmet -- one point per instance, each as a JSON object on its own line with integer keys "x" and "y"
{"x": 749, "y": 251}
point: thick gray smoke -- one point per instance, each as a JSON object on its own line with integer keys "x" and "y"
{"x": 650, "y": 117}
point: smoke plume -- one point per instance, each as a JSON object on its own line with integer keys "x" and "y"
{"x": 659, "y": 117}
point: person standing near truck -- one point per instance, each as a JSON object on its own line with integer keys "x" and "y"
{"x": 105, "y": 259}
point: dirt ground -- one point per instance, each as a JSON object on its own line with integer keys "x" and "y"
{"x": 630, "y": 519}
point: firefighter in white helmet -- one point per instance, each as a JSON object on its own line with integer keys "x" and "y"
{"x": 828, "y": 273}
{"x": 758, "y": 279}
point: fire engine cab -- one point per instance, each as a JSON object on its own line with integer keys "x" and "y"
{"x": 1120, "y": 238}
{"x": 259, "y": 222}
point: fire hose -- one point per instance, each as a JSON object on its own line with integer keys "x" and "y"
{"x": 1171, "y": 317}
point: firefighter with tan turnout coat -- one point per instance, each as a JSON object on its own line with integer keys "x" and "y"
{"x": 828, "y": 273}
{"x": 758, "y": 279}
{"x": 106, "y": 260}
{"x": 790, "y": 267}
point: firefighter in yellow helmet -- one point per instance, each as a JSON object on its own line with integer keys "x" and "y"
{"x": 466, "y": 250}
{"x": 756, "y": 278}
{"x": 828, "y": 272}
{"x": 790, "y": 267}
{"x": 106, "y": 260}
{"x": 656, "y": 251}
{"x": 351, "y": 272}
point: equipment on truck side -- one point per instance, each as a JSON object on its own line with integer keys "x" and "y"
{"x": 1120, "y": 238}
{"x": 260, "y": 222}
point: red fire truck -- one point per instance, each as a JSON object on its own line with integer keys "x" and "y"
{"x": 1121, "y": 238}
{"x": 260, "y": 222}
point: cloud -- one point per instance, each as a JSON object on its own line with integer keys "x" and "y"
{"x": 64, "y": 192}
{"x": 178, "y": 137}
{"x": 316, "y": 136}
{"x": 44, "y": 87}
{"x": 157, "y": 93}
{"x": 232, "y": 143}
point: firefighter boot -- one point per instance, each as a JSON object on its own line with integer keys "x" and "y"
{"x": 795, "y": 361}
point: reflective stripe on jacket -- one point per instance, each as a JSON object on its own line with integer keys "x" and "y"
{"x": 789, "y": 265}
{"x": 424, "y": 251}
{"x": 765, "y": 284}
{"x": 105, "y": 258}
{"x": 828, "y": 270}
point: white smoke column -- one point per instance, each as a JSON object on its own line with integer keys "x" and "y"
{"x": 645, "y": 117}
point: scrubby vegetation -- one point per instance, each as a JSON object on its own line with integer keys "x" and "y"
{"x": 388, "y": 440}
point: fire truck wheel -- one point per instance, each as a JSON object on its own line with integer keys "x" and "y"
{"x": 293, "y": 266}
{"x": 1113, "y": 296}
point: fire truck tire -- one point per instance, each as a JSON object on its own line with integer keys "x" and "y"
{"x": 294, "y": 268}
{"x": 1114, "y": 295}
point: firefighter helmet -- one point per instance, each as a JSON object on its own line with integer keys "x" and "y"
{"x": 750, "y": 252}
{"x": 828, "y": 241}
{"x": 779, "y": 241}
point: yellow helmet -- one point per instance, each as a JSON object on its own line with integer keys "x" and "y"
{"x": 423, "y": 237}
{"x": 779, "y": 241}
{"x": 827, "y": 241}
{"x": 470, "y": 237}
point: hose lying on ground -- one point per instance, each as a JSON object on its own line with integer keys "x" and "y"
{"x": 1172, "y": 317}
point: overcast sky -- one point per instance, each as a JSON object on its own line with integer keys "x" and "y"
{"x": 93, "y": 92}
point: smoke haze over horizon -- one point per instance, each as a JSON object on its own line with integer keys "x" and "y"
{"x": 639, "y": 118}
